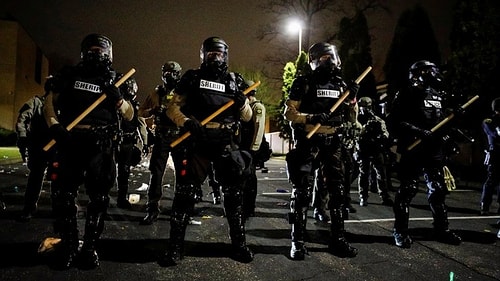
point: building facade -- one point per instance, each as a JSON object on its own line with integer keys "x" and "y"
{"x": 23, "y": 71}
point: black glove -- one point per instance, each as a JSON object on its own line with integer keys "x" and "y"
{"x": 59, "y": 133}
{"x": 113, "y": 93}
{"x": 239, "y": 99}
{"x": 193, "y": 126}
{"x": 353, "y": 89}
{"x": 22, "y": 144}
{"x": 145, "y": 150}
{"x": 458, "y": 111}
{"x": 321, "y": 118}
{"x": 424, "y": 134}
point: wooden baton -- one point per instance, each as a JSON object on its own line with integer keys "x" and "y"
{"x": 340, "y": 100}
{"x": 90, "y": 108}
{"x": 444, "y": 121}
{"x": 213, "y": 115}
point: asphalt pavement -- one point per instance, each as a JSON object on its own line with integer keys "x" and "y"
{"x": 129, "y": 251}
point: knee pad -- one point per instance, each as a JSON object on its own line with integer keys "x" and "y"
{"x": 301, "y": 197}
{"x": 407, "y": 191}
{"x": 98, "y": 204}
{"x": 185, "y": 190}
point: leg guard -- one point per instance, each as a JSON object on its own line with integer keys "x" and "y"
{"x": 401, "y": 206}
{"x": 66, "y": 226}
{"x": 94, "y": 225}
{"x": 233, "y": 207}
{"x": 299, "y": 204}
{"x": 175, "y": 250}
{"x": 338, "y": 244}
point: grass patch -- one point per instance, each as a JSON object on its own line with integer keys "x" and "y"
{"x": 9, "y": 154}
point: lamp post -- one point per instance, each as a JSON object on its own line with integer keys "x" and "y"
{"x": 294, "y": 26}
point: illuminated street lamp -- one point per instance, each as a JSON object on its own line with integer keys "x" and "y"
{"x": 294, "y": 26}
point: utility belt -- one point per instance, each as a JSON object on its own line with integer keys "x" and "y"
{"x": 168, "y": 132}
{"x": 101, "y": 133}
{"x": 325, "y": 139}
{"x": 130, "y": 137}
{"x": 222, "y": 126}
{"x": 221, "y": 133}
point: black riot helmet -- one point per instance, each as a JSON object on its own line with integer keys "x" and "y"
{"x": 97, "y": 48}
{"x": 365, "y": 109}
{"x": 129, "y": 88}
{"x": 171, "y": 73}
{"x": 424, "y": 74}
{"x": 214, "y": 54}
{"x": 495, "y": 105}
{"x": 365, "y": 102}
{"x": 324, "y": 55}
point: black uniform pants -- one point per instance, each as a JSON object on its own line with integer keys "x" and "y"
{"x": 230, "y": 165}
{"x": 89, "y": 160}
{"x": 412, "y": 165}
{"x": 324, "y": 152}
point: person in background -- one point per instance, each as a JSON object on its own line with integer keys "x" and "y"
{"x": 85, "y": 155}
{"x": 416, "y": 110}
{"x": 32, "y": 136}
{"x": 165, "y": 132}
{"x": 372, "y": 146}
{"x": 133, "y": 135}
{"x": 491, "y": 127}
{"x": 309, "y": 103}
{"x": 251, "y": 141}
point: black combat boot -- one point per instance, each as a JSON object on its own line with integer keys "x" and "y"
{"x": 402, "y": 216}
{"x": 298, "y": 220}
{"x": 121, "y": 199}
{"x": 241, "y": 252}
{"x": 338, "y": 244}
{"x": 175, "y": 251}
{"x": 153, "y": 212}
{"x": 402, "y": 239}
{"x": 94, "y": 225}
{"x": 298, "y": 251}
{"x": 441, "y": 231}
{"x": 66, "y": 226}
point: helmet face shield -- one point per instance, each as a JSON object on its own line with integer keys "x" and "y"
{"x": 97, "y": 48}
{"x": 425, "y": 74}
{"x": 171, "y": 73}
{"x": 324, "y": 55}
{"x": 214, "y": 49}
{"x": 214, "y": 55}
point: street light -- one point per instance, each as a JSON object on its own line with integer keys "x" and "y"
{"x": 294, "y": 26}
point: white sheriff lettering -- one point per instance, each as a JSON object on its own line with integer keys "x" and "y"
{"x": 323, "y": 93}
{"x": 209, "y": 85}
{"x": 432, "y": 103}
{"x": 79, "y": 85}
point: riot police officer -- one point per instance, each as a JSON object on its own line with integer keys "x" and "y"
{"x": 133, "y": 136}
{"x": 85, "y": 155}
{"x": 252, "y": 139}
{"x": 200, "y": 93}
{"x": 372, "y": 145}
{"x": 491, "y": 127}
{"x": 309, "y": 103}
{"x": 165, "y": 131}
{"x": 32, "y": 136}
{"x": 417, "y": 109}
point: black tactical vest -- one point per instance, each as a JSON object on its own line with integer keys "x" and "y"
{"x": 205, "y": 95}
{"x": 77, "y": 91}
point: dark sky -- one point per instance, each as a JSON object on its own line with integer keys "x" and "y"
{"x": 147, "y": 33}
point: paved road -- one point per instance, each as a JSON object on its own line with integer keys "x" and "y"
{"x": 128, "y": 251}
